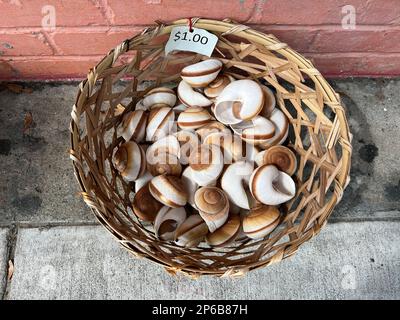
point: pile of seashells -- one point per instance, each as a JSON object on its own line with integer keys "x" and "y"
{"x": 210, "y": 167}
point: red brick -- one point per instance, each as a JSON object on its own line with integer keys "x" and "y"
{"x": 47, "y": 68}
{"x": 341, "y": 64}
{"x": 20, "y": 13}
{"x": 128, "y": 12}
{"x": 95, "y": 42}
{"x": 310, "y": 12}
{"x": 335, "y": 39}
{"x": 24, "y": 45}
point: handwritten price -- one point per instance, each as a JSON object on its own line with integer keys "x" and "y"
{"x": 187, "y": 36}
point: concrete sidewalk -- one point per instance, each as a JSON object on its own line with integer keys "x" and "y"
{"x": 60, "y": 252}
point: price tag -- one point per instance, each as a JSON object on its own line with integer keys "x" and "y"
{"x": 199, "y": 41}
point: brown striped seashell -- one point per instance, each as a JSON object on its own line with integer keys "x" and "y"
{"x": 215, "y": 87}
{"x": 163, "y": 157}
{"x": 211, "y": 127}
{"x": 261, "y": 221}
{"x": 134, "y": 125}
{"x": 213, "y": 206}
{"x": 281, "y": 123}
{"x": 226, "y": 234}
{"x": 168, "y": 190}
{"x": 188, "y": 141}
{"x": 193, "y": 118}
{"x": 206, "y": 163}
{"x": 269, "y": 102}
{"x": 145, "y": 206}
{"x": 159, "y": 97}
{"x": 160, "y": 123}
{"x": 130, "y": 160}
{"x": 191, "y": 232}
{"x": 201, "y": 73}
{"x": 255, "y": 131}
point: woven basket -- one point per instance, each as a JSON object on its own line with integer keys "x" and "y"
{"x": 318, "y": 133}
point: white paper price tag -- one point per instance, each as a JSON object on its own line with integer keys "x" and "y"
{"x": 199, "y": 41}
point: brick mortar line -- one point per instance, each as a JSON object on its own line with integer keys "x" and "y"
{"x": 10, "y": 255}
{"x": 124, "y": 28}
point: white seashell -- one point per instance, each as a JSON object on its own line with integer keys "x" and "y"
{"x": 130, "y": 160}
{"x": 188, "y": 141}
{"x": 160, "y": 123}
{"x": 191, "y": 98}
{"x": 226, "y": 234}
{"x": 206, "y": 163}
{"x": 168, "y": 190}
{"x": 270, "y": 186}
{"x": 261, "y": 221}
{"x": 142, "y": 181}
{"x": 234, "y": 181}
{"x": 191, "y": 232}
{"x": 168, "y": 221}
{"x": 144, "y": 205}
{"x": 193, "y": 118}
{"x": 201, "y": 73}
{"x": 159, "y": 97}
{"x": 214, "y": 88}
{"x": 281, "y": 123}
{"x": 255, "y": 131}
{"x": 240, "y": 100}
{"x": 134, "y": 125}
{"x": 213, "y": 206}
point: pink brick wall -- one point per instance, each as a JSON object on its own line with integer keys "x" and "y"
{"x": 87, "y": 29}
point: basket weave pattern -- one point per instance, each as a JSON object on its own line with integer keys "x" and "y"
{"x": 319, "y": 134}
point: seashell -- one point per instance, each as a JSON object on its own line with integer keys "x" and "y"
{"x": 134, "y": 125}
{"x": 201, "y": 73}
{"x": 168, "y": 221}
{"x": 211, "y": 127}
{"x": 270, "y": 186}
{"x": 188, "y": 141}
{"x": 226, "y": 234}
{"x": 215, "y": 87}
{"x": 160, "y": 123}
{"x": 159, "y": 97}
{"x": 189, "y": 185}
{"x": 169, "y": 144}
{"x": 206, "y": 163}
{"x": 281, "y": 157}
{"x": 269, "y": 102}
{"x": 191, "y": 98}
{"x": 255, "y": 131}
{"x": 168, "y": 190}
{"x": 281, "y": 123}
{"x": 261, "y": 221}
{"x": 164, "y": 163}
{"x": 130, "y": 160}
{"x": 234, "y": 182}
{"x": 142, "y": 181}
{"x": 191, "y": 232}
{"x": 193, "y": 118}
{"x": 240, "y": 100}
{"x": 213, "y": 206}
{"x": 144, "y": 205}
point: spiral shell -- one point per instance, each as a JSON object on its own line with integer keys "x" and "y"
{"x": 159, "y": 97}
{"x": 168, "y": 221}
{"x": 168, "y": 190}
{"x": 193, "y": 118}
{"x": 130, "y": 160}
{"x": 191, "y": 232}
{"x": 213, "y": 206}
{"x": 134, "y": 125}
{"x": 261, "y": 221}
{"x": 190, "y": 97}
{"x": 145, "y": 206}
{"x": 201, "y": 73}
{"x": 255, "y": 131}
{"x": 226, "y": 234}
{"x": 281, "y": 123}
{"x": 214, "y": 88}
{"x": 281, "y": 157}
{"x": 160, "y": 123}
